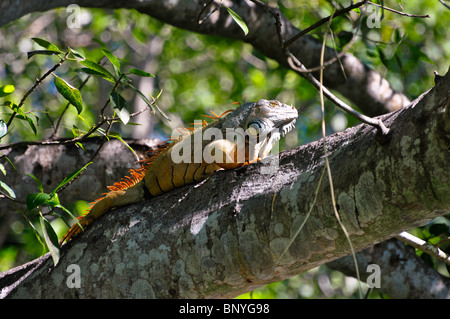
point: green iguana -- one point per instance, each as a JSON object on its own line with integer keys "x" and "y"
{"x": 244, "y": 136}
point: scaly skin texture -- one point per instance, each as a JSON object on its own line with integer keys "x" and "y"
{"x": 244, "y": 136}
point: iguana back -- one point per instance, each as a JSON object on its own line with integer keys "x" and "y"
{"x": 243, "y": 136}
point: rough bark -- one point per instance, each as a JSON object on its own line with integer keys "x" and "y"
{"x": 224, "y": 236}
{"x": 403, "y": 274}
{"x": 359, "y": 83}
{"x": 50, "y": 164}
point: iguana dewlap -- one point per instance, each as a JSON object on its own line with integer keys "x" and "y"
{"x": 245, "y": 135}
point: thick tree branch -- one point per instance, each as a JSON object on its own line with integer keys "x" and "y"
{"x": 398, "y": 264}
{"x": 224, "y": 236}
{"x": 366, "y": 88}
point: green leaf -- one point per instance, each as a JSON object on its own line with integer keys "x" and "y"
{"x": 30, "y": 122}
{"x": 117, "y": 101}
{"x": 75, "y": 131}
{"x": 36, "y": 233}
{"x": 42, "y": 52}
{"x": 53, "y": 201}
{"x": 70, "y": 177}
{"x": 119, "y": 137}
{"x": 102, "y": 44}
{"x": 150, "y": 104}
{"x": 142, "y": 96}
{"x": 10, "y": 163}
{"x": 238, "y": 20}
{"x": 51, "y": 239}
{"x": 125, "y": 80}
{"x": 157, "y": 107}
{"x": 7, "y": 189}
{"x": 70, "y": 93}
{"x": 20, "y": 113}
{"x": 119, "y": 104}
{"x": 84, "y": 120}
{"x": 35, "y": 200}
{"x": 81, "y": 146}
{"x": 11, "y": 105}
{"x": 3, "y": 128}
{"x": 89, "y": 71}
{"x": 111, "y": 57}
{"x": 124, "y": 116}
{"x": 77, "y": 54}
{"x": 38, "y": 182}
{"x": 99, "y": 70}
{"x": 398, "y": 37}
{"x": 46, "y": 45}
{"x": 22, "y": 116}
{"x": 6, "y": 90}
{"x": 140, "y": 73}
{"x": 69, "y": 213}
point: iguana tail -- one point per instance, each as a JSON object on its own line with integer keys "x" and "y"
{"x": 129, "y": 190}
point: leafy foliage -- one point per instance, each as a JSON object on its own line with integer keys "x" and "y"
{"x": 72, "y": 95}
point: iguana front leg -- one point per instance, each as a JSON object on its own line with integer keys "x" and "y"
{"x": 227, "y": 154}
{"x": 244, "y": 149}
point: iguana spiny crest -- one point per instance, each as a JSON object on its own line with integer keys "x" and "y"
{"x": 243, "y": 136}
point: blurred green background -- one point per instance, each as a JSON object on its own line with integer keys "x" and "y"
{"x": 200, "y": 73}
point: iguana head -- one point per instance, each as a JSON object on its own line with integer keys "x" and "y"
{"x": 264, "y": 122}
{"x": 271, "y": 118}
{"x": 245, "y": 135}
{"x": 262, "y": 117}
{"x": 267, "y": 121}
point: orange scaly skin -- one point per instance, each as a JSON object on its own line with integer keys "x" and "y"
{"x": 262, "y": 122}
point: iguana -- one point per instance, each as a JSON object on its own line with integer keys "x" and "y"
{"x": 243, "y": 136}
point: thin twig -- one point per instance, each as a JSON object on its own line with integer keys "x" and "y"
{"x": 277, "y": 16}
{"x": 102, "y": 142}
{"x": 296, "y": 65}
{"x": 10, "y": 198}
{"x": 342, "y": 52}
{"x": 398, "y": 12}
{"x": 337, "y": 54}
{"x": 323, "y": 21}
{"x": 446, "y": 5}
{"x": 206, "y": 5}
{"x": 422, "y": 245}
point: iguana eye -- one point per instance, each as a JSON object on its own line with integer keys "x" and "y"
{"x": 254, "y": 128}
{"x": 274, "y": 104}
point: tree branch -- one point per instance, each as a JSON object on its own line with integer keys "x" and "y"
{"x": 224, "y": 236}
{"x": 399, "y": 264}
{"x": 358, "y": 84}
{"x": 424, "y": 246}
